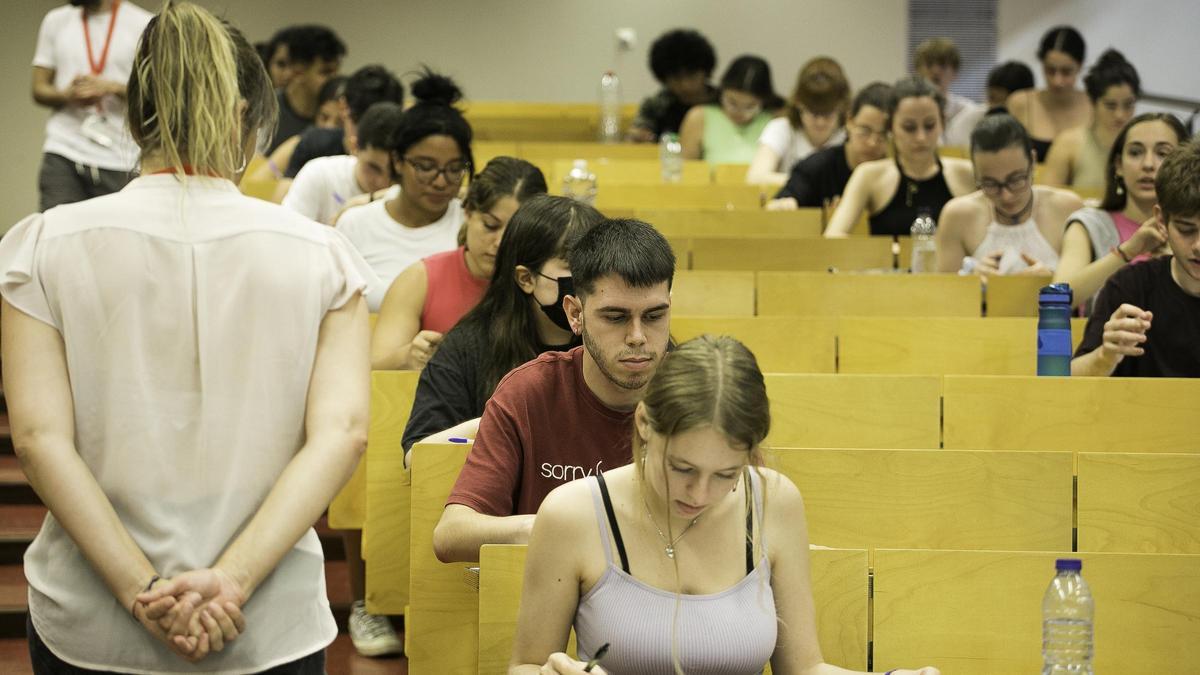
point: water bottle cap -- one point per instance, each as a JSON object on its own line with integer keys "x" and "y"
{"x": 1073, "y": 564}
{"x": 1055, "y": 293}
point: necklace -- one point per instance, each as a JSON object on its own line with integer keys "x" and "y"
{"x": 1019, "y": 216}
{"x": 669, "y": 549}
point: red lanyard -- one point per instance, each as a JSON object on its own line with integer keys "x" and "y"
{"x": 98, "y": 68}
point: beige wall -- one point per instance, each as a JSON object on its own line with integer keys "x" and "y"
{"x": 536, "y": 50}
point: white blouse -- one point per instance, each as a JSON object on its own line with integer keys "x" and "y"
{"x": 190, "y": 316}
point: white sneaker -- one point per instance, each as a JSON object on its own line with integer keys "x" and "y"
{"x": 371, "y": 634}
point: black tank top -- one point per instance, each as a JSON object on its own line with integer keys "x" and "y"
{"x": 912, "y": 197}
{"x": 1042, "y": 148}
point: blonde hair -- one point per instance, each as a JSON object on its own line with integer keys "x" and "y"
{"x": 192, "y": 74}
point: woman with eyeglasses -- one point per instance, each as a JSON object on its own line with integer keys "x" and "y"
{"x": 814, "y": 121}
{"x": 431, "y": 155}
{"x": 1009, "y": 226}
{"x": 1045, "y": 113}
{"x": 1079, "y": 155}
{"x": 727, "y": 132}
{"x": 1123, "y": 230}
{"x": 431, "y": 295}
{"x": 520, "y": 316}
{"x": 893, "y": 192}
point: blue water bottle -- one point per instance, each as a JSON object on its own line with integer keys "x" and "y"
{"x": 1054, "y": 330}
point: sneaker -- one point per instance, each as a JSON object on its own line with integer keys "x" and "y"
{"x": 371, "y": 634}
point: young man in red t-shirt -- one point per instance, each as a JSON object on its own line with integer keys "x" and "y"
{"x": 567, "y": 415}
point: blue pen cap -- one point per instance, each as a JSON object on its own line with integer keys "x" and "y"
{"x": 1069, "y": 564}
{"x": 1055, "y": 294}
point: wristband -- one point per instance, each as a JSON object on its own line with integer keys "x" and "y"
{"x": 1121, "y": 254}
{"x": 153, "y": 580}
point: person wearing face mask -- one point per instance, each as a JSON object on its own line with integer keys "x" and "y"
{"x": 815, "y": 117}
{"x": 1078, "y": 156}
{"x": 520, "y": 316}
{"x": 1009, "y": 226}
{"x": 429, "y": 297}
{"x": 727, "y": 132}
{"x": 818, "y": 180}
{"x": 895, "y": 191}
{"x": 1100, "y": 241}
{"x": 1045, "y": 113}
{"x": 83, "y": 59}
{"x": 566, "y": 415}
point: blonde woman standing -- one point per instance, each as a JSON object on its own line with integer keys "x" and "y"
{"x": 187, "y": 379}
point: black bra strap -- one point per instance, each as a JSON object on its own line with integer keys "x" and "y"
{"x": 749, "y": 523}
{"x": 612, "y": 522}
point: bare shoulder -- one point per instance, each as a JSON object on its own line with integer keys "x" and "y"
{"x": 1059, "y": 199}
{"x": 783, "y": 497}
{"x": 568, "y": 505}
{"x": 694, "y": 116}
{"x": 960, "y": 175}
{"x": 965, "y": 210}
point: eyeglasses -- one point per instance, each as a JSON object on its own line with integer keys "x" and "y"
{"x": 427, "y": 171}
{"x": 1014, "y": 185}
{"x": 748, "y": 109}
{"x": 866, "y": 133}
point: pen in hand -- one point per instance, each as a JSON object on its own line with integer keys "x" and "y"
{"x": 596, "y": 659}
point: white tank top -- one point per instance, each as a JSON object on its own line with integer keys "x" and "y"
{"x": 1025, "y": 238}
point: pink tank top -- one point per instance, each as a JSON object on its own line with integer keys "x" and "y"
{"x": 1125, "y": 229}
{"x": 450, "y": 290}
{"x": 724, "y": 633}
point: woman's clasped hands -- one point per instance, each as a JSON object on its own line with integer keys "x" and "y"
{"x": 195, "y": 613}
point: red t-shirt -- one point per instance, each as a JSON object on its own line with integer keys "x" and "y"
{"x": 541, "y": 428}
{"x": 450, "y": 290}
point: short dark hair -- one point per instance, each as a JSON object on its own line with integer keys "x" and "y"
{"x": 877, "y": 95}
{"x": 1063, "y": 39}
{"x": 283, "y": 36}
{"x": 630, "y": 249}
{"x": 504, "y": 177}
{"x": 679, "y": 52}
{"x": 1178, "y": 182}
{"x": 1115, "y": 194}
{"x": 994, "y": 133}
{"x": 1011, "y": 76}
{"x": 332, "y": 90}
{"x": 377, "y": 125}
{"x": 914, "y": 86}
{"x": 1111, "y": 70}
{"x": 311, "y": 42}
{"x": 434, "y": 114}
{"x": 370, "y": 85}
{"x": 752, "y": 74}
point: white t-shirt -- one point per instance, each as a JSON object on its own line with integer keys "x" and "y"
{"x": 792, "y": 145}
{"x": 389, "y": 246}
{"x": 61, "y": 48}
{"x": 323, "y": 187}
{"x": 190, "y": 315}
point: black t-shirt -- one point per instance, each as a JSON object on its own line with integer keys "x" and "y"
{"x": 290, "y": 122}
{"x": 818, "y": 178}
{"x": 314, "y": 143}
{"x": 1173, "y": 341}
{"x": 448, "y": 389}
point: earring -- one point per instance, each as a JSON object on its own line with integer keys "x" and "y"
{"x": 1120, "y": 186}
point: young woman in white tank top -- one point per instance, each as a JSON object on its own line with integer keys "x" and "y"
{"x": 669, "y": 560}
{"x": 1009, "y": 225}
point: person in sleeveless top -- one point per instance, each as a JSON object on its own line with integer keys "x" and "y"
{"x": 1045, "y": 113}
{"x": 694, "y": 558}
{"x": 431, "y": 295}
{"x": 187, "y": 381}
{"x": 1009, "y": 226}
{"x": 1100, "y": 241}
{"x": 727, "y": 132}
{"x": 894, "y": 191}
{"x": 1079, "y": 155}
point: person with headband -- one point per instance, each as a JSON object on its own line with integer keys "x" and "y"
{"x": 814, "y": 121}
{"x": 1010, "y": 225}
{"x": 1045, "y": 113}
{"x": 520, "y": 316}
{"x": 431, "y": 295}
{"x": 727, "y": 132}
{"x": 1078, "y": 156}
{"x": 188, "y": 386}
{"x": 83, "y": 59}
{"x": 694, "y": 558}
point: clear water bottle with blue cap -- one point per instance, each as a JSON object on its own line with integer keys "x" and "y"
{"x": 1067, "y": 612}
{"x": 1054, "y": 330}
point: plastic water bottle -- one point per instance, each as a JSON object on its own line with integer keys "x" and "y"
{"x": 580, "y": 184}
{"x": 924, "y": 249}
{"x": 670, "y": 152}
{"x": 610, "y": 108}
{"x": 1067, "y": 610}
{"x": 1054, "y": 330}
